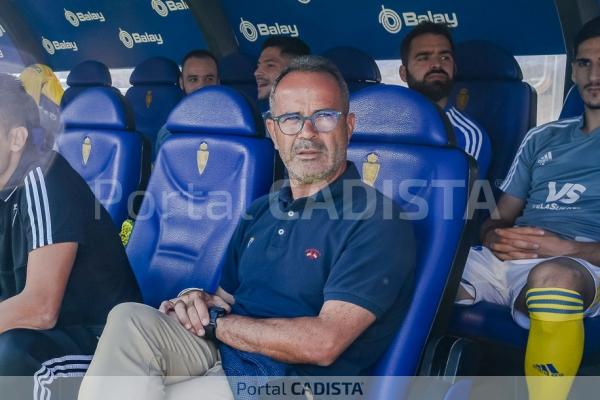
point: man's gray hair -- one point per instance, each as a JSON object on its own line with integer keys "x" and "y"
{"x": 314, "y": 64}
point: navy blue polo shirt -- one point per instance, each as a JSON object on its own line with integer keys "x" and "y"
{"x": 346, "y": 242}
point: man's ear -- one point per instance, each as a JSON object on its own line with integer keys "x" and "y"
{"x": 350, "y": 123}
{"x": 270, "y": 125}
{"x": 180, "y": 82}
{"x": 17, "y": 138}
{"x": 403, "y": 73}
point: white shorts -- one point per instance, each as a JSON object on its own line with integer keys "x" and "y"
{"x": 487, "y": 278}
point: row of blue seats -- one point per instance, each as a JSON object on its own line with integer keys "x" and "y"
{"x": 489, "y": 87}
{"x": 155, "y": 88}
{"x": 154, "y": 92}
{"x": 216, "y": 164}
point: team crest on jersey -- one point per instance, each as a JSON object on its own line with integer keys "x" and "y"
{"x": 312, "y": 254}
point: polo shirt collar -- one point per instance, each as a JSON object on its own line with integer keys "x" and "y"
{"x": 334, "y": 190}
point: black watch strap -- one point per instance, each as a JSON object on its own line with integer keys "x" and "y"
{"x": 210, "y": 330}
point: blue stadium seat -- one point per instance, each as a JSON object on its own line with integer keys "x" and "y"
{"x": 83, "y": 76}
{"x": 494, "y": 323}
{"x": 357, "y": 67}
{"x": 237, "y": 71}
{"x": 154, "y": 93}
{"x": 573, "y": 105}
{"x": 205, "y": 176}
{"x": 400, "y": 144}
{"x": 490, "y": 88}
{"x": 100, "y": 143}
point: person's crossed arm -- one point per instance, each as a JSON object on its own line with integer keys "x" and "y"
{"x": 515, "y": 243}
{"x": 316, "y": 340}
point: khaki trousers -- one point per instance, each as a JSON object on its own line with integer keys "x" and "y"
{"x": 144, "y": 354}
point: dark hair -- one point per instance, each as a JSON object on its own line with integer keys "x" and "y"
{"x": 423, "y": 28}
{"x": 17, "y": 107}
{"x": 590, "y": 29}
{"x": 290, "y": 46}
{"x": 315, "y": 64}
{"x": 199, "y": 53}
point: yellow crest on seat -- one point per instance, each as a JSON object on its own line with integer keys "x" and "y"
{"x": 370, "y": 169}
{"x": 462, "y": 99}
{"x": 202, "y": 157}
{"x": 148, "y": 98}
{"x": 86, "y": 149}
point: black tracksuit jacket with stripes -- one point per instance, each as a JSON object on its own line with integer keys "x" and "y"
{"x": 47, "y": 202}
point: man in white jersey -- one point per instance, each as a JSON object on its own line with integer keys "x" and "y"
{"x": 428, "y": 67}
{"x": 542, "y": 246}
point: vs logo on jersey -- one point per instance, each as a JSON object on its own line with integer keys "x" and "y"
{"x": 568, "y": 194}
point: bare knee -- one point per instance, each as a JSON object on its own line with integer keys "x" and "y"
{"x": 563, "y": 273}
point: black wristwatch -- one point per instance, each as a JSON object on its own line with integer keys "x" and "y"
{"x": 210, "y": 330}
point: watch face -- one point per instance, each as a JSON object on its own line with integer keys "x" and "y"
{"x": 216, "y": 312}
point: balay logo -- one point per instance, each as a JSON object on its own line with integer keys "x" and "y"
{"x": 52, "y": 46}
{"x": 251, "y": 31}
{"x": 75, "y": 18}
{"x": 129, "y": 40}
{"x": 393, "y": 22}
{"x": 163, "y": 8}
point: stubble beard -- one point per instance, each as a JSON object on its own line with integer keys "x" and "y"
{"x": 298, "y": 173}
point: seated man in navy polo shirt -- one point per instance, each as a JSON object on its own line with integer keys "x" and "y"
{"x": 316, "y": 281}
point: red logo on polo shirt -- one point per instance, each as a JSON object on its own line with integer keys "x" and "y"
{"x": 312, "y": 254}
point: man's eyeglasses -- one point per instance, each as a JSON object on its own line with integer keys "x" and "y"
{"x": 292, "y": 123}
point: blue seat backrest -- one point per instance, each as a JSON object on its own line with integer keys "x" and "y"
{"x": 87, "y": 74}
{"x": 205, "y": 176}
{"x": 100, "y": 143}
{"x": 490, "y": 88}
{"x": 358, "y": 68}
{"x": 237, "y": 71}
{"x": 494, "y": 323}
{"x": 400, "y": 144}
{"x": 573, "y": 105}
{"x": 154, "y": 93}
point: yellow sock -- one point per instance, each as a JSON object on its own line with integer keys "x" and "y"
{"x": 555, "y": 344}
